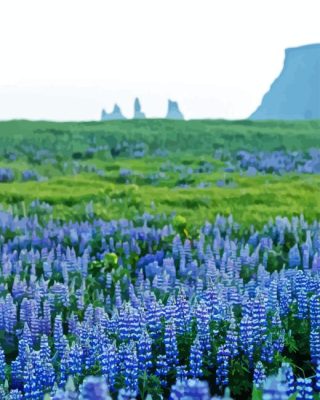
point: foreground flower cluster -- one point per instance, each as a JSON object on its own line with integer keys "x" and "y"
{"x": 120, "y": 309}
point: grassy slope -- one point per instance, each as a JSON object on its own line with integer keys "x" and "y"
{"x": 197, "y": 135}
{"x": 251, "y": 200}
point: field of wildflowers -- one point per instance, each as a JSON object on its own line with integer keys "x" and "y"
{"x": 136, "y": 267}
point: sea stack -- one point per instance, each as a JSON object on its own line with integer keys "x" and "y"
{"x": 174, "y": 111}
{"x": 116, "y": 114}
{"x": 138, "y": 114}
{"x": 295, "y": 94}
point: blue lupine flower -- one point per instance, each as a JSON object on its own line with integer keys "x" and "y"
{"x": 302, "y": 302}
{"x": 64, "y": 369}
{"x": 45, "y": 352}
{"x": 126, "y": 394}
{"x": 196, "y": 359}
{"x": 32, "y": 388}
{"x": 190, "y": 389}
{"x": 288, "y": 378}
{"x": 131, "y": 371}
{"x": 94, "y": 388}
{"x": 162, "y": 368}
{"x": 15, "y": 395}
{"x": 170, "y": 342}
{"x": 259, "y": 375}
{"x": 246, "y": 336}
{"x": 315, "y": 312}
{"x": 75, "y": 359}
{"x": 267, "y": 353}
{"x": 317, "y": 384}
{"x": 223, "y": 360}
{"x": 144, "y": 351}
{"x": 294, "y": 257}
{"x": 58, "y": 334}
{"x": 275, "y": 389}
{"x": 182, "y": 373}
{"x": 182, "y": 313}
{"x": 109, "y": 364}
{"x": 259, "y": 320}
{"x": 232, "y": 339}
{"x": 2, "y": 365}
{"x": 6, "y": 175}
{"x": 315, "y": 346}
{"x": 203, "y": 318}
{"x": 304, "y": 389}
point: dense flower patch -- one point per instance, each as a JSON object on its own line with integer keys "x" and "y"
{"x": 123, "y": 309}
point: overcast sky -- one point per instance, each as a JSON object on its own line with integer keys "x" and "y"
{"x": 68, "y": 59}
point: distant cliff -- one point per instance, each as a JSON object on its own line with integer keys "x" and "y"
{"x": 114, "y": 115}
{"x": 295, "y": 94}
{"x": 174, "y": 111}
{"x": 138, "y": 114}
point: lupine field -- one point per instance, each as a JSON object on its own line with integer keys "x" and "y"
{"x": 159, "y": 260}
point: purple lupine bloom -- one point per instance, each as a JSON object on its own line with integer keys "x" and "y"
{"x": 182, "y": 373}
{"x": 304, "y": 389}
{"x": 75, "y": 355}
{"x": 16, "y": 373}
{"x": 94, "y": 388}
{"x": 129, "y": 324}
{"x": 162, "y": 368}
{"x": 126, "y": 394}
{"x": 170, "y": 342}
{"x": 182, "y": 314}
{"x": 64, "y": 369}
{"x": 223, "y": 360}
{"x": 203, "y": 318}
{"x": 315, "y": 346}
{"x": 29, "y": 175}
{"x": 2, "y": 365}
{"x": 58, "y": 334}
{"x": 294, "y": 257}
{"x": 15, "y": 395}
{"x": 232, "y": 339}
{"x": 6, "y": 175}
{"x": 144, "y": 351}
{"x": 190, "y": 389}
{"x": 46, "y": 320}
{"x": 109, "y": 364}
{"x": 259, "y": 375}
{"x": 267, "y": 351}
{"x": 131, "y": 370}
{"x": 45, "y": 351}
{"x": 275, "y": 389}
{"x": 154, "y": 314}
{"x": 317, "y": 384}
{"x": 246, "y": 336}
{"x": 288, "y": 378}
{"x": 315, "y": 312}
{"x": 302, "y": 301}
{"x": 196, "y": 355}
{"x": 3, "y": 393}
{"x": 31, "y": 384}
{"x": 26, "y": 335}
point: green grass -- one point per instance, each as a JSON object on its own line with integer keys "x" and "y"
{"x": 196, "y": 136}
{"x": 250, "y": 199}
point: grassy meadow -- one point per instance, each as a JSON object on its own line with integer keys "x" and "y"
{"x": 76, "y": 163}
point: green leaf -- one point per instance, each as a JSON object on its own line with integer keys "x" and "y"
{"x": 256, "y": 393}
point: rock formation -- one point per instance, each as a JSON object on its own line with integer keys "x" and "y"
{"x": 295, "y": 94}
{"x": 173, "y": 111}
{"x": 138, "y": 114}
{"x": 114, "y": 115}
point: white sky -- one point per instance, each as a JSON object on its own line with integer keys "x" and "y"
{"x": 67, "y": 59}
